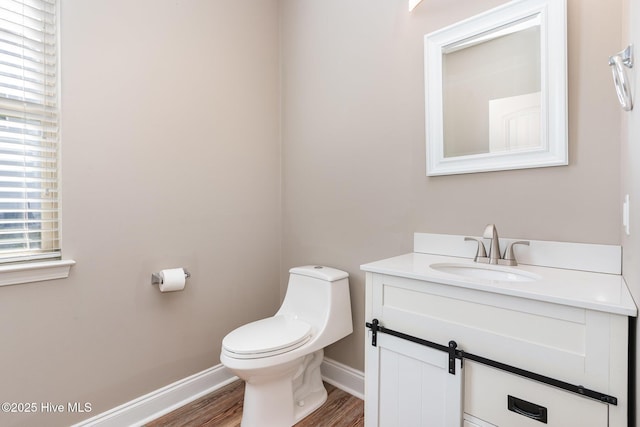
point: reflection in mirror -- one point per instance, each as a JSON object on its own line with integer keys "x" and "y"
{"x": 500, "y": 98}
{"x": 496, "y": 90}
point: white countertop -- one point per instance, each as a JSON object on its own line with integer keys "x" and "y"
{"x": 594, "y": 291}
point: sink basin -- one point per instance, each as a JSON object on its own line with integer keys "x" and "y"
{"x": 486, "y": 272}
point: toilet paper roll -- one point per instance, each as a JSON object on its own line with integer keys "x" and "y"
{"x": 173, "y": 279}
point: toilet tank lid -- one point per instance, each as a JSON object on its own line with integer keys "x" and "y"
{"x": 320, "y": 272}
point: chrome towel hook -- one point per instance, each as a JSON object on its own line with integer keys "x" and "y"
{"x": 617, "y": 61}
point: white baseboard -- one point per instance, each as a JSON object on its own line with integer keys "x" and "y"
{"x": 166, "y": 399}
{"x": 343, "y": 377}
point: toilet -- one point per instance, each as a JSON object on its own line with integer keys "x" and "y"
{"x": 279, "y": 357}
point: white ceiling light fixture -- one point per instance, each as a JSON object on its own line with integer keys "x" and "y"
{"x": 413, "y": 4}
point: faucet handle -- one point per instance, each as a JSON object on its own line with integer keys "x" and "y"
{"x": 509, "y": 256}
{"x": 481, "y": 252}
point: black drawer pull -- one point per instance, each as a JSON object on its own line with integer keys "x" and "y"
{"x": 527, "y": 409}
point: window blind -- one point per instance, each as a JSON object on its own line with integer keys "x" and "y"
{"x": 29, "y": 207}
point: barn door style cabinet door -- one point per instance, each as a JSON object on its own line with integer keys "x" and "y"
{"x": 411, "y": 384}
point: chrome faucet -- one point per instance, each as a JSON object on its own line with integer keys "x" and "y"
{"x": 495, "y": 257}
{"x": 491, "y": 232}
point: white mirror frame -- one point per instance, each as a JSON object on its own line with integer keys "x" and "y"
{"x": 553, "y": 120}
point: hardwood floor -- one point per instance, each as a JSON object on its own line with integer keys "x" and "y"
{"x": 223, "y": 408}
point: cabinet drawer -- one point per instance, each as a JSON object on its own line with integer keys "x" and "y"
{"x": 489, "y": 393}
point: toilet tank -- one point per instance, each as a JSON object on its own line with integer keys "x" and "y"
{"x": 320, "y": 296}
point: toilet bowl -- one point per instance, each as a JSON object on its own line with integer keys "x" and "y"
{"x": 279, "y": 357}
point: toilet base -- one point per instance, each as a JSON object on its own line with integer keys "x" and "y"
{"x": 311, "y": 403}
{"x": 285, "y": 398}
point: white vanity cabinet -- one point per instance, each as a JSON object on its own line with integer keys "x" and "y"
{"x": 582, "y": 345}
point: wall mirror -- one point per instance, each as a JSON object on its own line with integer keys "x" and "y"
{"x": 496, "y": 90}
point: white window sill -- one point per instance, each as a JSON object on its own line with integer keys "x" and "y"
{"x": 15, "y": 274}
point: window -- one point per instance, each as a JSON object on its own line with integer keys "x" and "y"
{"x": 29, "y": 206}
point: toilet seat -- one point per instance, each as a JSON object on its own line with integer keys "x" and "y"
{"x": 266, "y": 337}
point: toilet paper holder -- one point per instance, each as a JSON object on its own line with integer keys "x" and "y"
{"x": 157, "y": 280}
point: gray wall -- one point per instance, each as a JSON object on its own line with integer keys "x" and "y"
{"x": 354, "y": 184}
{"x": 170, "y": 158}
{"x": 240, "y": 139}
